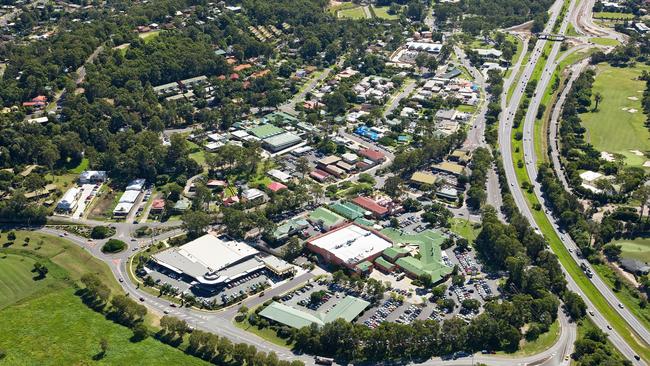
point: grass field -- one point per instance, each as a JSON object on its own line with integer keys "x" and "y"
{"x": 627, "y": 294}
{"x": 45, "y": 323}
{"x": 638, "y": 248}
{"x": 83, "y": 165}
{"x": 58, "y": 329}
{"x": 16, "y": 279}
{"x": 352, "y": 13}
{"x": 466, "y": 229}
{"x": 605, "y": 41}
{"x": 543, "y": 342}
{"x": 381, "y": 12}
{"x": 612, "y": 15}
{"x": 149, "y": 36}
{"x": 611, "y": 128}
{"x": 264, "y": 333}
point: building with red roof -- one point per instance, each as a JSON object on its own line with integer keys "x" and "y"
{"x": 319, "y": 175}
{"x": 276, "y": 186}
{"x": 369, "y": 204}
{"x": 375, "y": 156}
{"x": 157, "y": 206}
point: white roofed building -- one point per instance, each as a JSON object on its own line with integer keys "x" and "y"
{"x": 349, "y": 245}
{"x": 211, "y": 260}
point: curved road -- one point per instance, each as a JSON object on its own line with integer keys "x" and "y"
{"x": 505, "y": 134}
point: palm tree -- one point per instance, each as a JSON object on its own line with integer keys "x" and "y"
{"x": 598, "y": 98}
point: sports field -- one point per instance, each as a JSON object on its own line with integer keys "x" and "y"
{"x": 617, "y": 126}
{"x": 638, "y": 248}
{"x": 44, "y": 323}
{"x": 381, "y": 12}
{"x": 353, "y": 13}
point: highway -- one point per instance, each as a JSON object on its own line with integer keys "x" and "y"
{"x": 505, "y": 135}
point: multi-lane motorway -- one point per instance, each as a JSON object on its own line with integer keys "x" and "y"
{"x": 505, "y": 136}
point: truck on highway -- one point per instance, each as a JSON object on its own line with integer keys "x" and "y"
{"x": 324, "y": 360}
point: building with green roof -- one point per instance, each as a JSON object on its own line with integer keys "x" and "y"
{"x": 283, "y": 231}
{"x": 326, "y": 218}
{"x": 348, "y": 210}
{"x": 265, "y": 131}
{"x": 384, "y": 265}
{"x": 347, "y": 309}
{"x": 364, "y": 222}
{"x": 364, "y": 267}
{"x": 430, "y": 261}
{"x": 394, "y": 253}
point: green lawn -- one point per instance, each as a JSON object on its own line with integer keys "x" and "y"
{"x": 83, "y": 165}
{"x": 45, "y": 323}
{"x": 381, "y": 12}
{"x": 466, "y": 229}
{"x": 611, "y": 128}
{"x": 605, "y": 41}
{"x": 353, "y": 13}
{"x": 16, "y": 279}
{"x": 58, "y": 329}
{"x": 543, "y": 342}
{"x": 628, "y": 294}
{"x": 638, "y": 248}
{"x": 149, "y": 36}
{"x": 612, "y": 15}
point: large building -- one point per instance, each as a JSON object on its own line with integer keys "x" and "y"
{"x": 69, "y": 201}
{"x": 347, "y": 309}
{"x": 211, "y": 260}
{"x": 349, "y": 245}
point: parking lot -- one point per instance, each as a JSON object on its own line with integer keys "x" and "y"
{"x": 88, "y": 192}
{"x": 246, "y": 285}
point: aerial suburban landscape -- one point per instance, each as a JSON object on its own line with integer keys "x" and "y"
{"x": 325, "y": 182}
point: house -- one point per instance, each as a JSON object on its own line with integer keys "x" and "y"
{"x": 36, "y": 102}
{"x": 375, "y": 156}
{"x": 69, "y": 201}
{"x": 319, "y": 175}
{"x": 447, "y": 167}
{"x": 421, "y": 178}
{"x": 92, "y": 177}
{"x": 254, "y": 195}
{"x": 229, "y": 201}
{"x": 157, "y": 206}
{"x": 276, "y": 186}
{"x": 216, "y": 184}
{"x": 448, "y": 193}
{"x": 182, "y": 205}
{"x": 279, "y": 175}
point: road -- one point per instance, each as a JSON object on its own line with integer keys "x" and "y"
{"x": 290, "y": 106}
{"x": 221, "y": 322}
{"x": 554, "y": 125}
{"x": 505, "y": 134}
{"x": 405, "y": 91}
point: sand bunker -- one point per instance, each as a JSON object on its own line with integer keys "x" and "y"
{"x": 632, "y": 98}
{"x": 607, "y": 156}
{"x": 646, "y": 164}
{"x": 632, "y": 110}
{"x": 624, "y": 109}
{"x": 636, "y": 152}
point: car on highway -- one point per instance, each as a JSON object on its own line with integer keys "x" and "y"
{"x": 142, "y": 299}
{"x": 620, "y": 305}
{"x": 121, "y": 280}
{"x": 609, "y": 327}
{"x": 166, "y": 311}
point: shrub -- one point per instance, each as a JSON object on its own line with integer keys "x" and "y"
{"x": 99, "y": 232}
{"x": 113, "y": 246}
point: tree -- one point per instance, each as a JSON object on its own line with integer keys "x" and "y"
{"x": 575, "y": 305}
{"x": 393, "y": 186}
{"x": 40, "y": 269}
{"x": 103, "y": 346}
{"x": 597, "y": 98}
{"x": 302, "y": 166}
{"x": 99, "y": 232}
{"x": 140, "y": 332}
{"x": 11, "y": 236}
{"x": 113, "y": 246}
{"x": 195, "y": 222}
